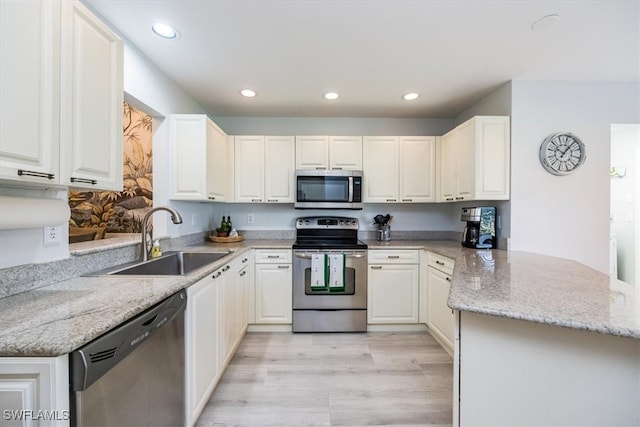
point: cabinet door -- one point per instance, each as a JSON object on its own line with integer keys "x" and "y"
{"x": 492, "y": 147}
{"x": 249, "y": 168}
{"x": 447, "y": 166}
{"x": 91, "y": 101}
{"x": 273, "y": 293}
{"x": 188, "y": 141}
{"x": 417, "y": 169}
{"x": 35, "y": 385}
{"x": 312, "y": 152}
{"x": 202, "y": 344}
{"x": 279, "y": 169}
{"x": 345, "y": 152}
{"x": 441, "y": 317}
{"x": 219, "y": 167}
{"x": 380, "y": 165}
{"x": 30, "y": 73}
{"x": 465, "y": 161}
{"x": 230, "y": 326}
{"x": 392, "y": 293}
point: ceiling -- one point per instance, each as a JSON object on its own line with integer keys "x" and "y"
{"x": 452, "y": 52}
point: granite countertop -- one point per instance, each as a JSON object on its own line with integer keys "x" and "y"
{"x": 56, "y": 319}
{"x": 544, "y": 289}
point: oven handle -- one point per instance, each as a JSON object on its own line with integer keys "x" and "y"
{"x": 348, "y": 255}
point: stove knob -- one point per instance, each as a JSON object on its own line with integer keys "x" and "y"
{"x": 341, "y": 222}
{"x": 306, "y": 222}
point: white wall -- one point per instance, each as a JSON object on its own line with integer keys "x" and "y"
{"x": 150, "y": 90}
{"x": 625, "y": 199}
{"x": 565, "y": 216}
{"x": 419, "y": 216}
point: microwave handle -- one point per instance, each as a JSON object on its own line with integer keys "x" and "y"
{"x": 350, "y": 189}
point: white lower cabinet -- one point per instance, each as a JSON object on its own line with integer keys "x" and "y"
{"x": 216, "y": 320}
{"x": 34, "y": 391}
{"x": 441, "y": 319}
{"x": 392, "y": 293}
{"x": 273, "y": 286}
{"x": 203, "y": 361}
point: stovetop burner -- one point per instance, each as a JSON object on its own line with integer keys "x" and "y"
{"x": 315, "y": 232}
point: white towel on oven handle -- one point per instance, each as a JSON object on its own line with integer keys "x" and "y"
{"x": 336, "y": 271}
{"x": 318, "y": 270}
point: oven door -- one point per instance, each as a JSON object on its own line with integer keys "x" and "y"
{"x": 354, "y": 295}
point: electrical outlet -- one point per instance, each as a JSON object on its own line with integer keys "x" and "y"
{"x": 52, "y": 235}
{"x": 250, "y": 218}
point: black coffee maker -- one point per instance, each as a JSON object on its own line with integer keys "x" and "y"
{"x": 480, "y": 232}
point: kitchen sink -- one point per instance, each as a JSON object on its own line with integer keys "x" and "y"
{"x": 171, "y": 264}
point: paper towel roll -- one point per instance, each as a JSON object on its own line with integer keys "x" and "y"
{"x": 26, "y": 212}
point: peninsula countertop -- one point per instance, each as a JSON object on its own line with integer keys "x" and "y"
{"x": 58, "y": 318}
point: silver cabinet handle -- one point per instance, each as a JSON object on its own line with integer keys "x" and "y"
{"x": 439, "y": 262}
{"x": 407, "y": 200}
{"x": 376, "y": 267}
{"x": 218, "y": 274}
{"x": 84, "y": 180}
{"x": 22, "y": 172}
{"x": 245, "y": 260}
{"x": 448, "y": 279}
{"x": 391, "y": 200}
{"x": 226, "y": 267}
{"x": 393, "y": 256}
{"x": 242, "y": 273}
{"x": 211, "y": 198}
{"x": 283, "y": 266}
{"x": 273, "y": 256}
{"x": 459, "y": 198}
{"x": 256, "y": 200}
{"x": 320, "y": 168}
{"x": 449, "y": 199}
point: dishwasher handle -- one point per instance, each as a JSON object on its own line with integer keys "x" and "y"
{"x": 96, "y": 358}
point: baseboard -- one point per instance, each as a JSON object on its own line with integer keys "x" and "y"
{"x": 412, "y": 327}
{"x": 269, "y": 328}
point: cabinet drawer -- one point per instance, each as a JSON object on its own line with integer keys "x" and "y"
{"x": 273, "y": 256}
{"x": 393, "y": 256}
{"x": 441, "y": 263}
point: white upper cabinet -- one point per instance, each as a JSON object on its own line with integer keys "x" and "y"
{"x": 279, "y": 169}
{"x": 399, "y": 169}
{"x": 329, "y": 152}
{"x": 30, "y": 87}
{"x": 201, "y": 159}
{"x": 91, "y": 101}
{"x": 417, "y": 169}
{"x": 380, "y": 166}
{"x": 345, "y": 152}
{"x": 62, "y": 96}
{"x": 312, "y": 152}
{"x": 475, "y": 160}
{"x": 264, "y": 169}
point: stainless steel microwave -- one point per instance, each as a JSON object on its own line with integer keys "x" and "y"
{"x": 328, "y": 189}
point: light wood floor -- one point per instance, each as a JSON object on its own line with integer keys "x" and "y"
{"x": 374, "y": 378}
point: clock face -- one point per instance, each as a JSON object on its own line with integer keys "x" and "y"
{"x": 562, "y": 153}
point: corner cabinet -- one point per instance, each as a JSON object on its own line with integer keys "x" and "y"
{"x": 201, "y": 159}
{"x": 264, "y": 169}
{"x": 399, "y": 169}
{"x": 475, "y": 160}
{"x": 66, "y": 68}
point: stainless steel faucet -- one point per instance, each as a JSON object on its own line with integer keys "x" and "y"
{"x": 175, "y": 218}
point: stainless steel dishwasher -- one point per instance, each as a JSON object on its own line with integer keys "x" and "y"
{"x": 134, "y": 374}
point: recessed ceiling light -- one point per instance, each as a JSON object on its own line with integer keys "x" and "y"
{"x": 331, "y": 95}
{"x": 248, "y": 93}
{"x": 546, "y": 22}
{"x": 165, "y": 31}
{"x": 411, "y": 96}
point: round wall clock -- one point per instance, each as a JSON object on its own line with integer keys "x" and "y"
{"x": 562, "y": 153}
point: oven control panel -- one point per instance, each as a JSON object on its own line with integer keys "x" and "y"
{"x": 323, "y": 222}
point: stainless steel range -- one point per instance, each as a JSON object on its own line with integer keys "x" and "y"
{"x": 329, "y": 276}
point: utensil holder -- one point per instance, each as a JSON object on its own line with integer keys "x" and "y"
{"x": 384, "y": 233}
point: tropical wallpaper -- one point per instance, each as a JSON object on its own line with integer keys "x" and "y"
{"x": 121, "y": 211}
